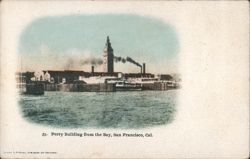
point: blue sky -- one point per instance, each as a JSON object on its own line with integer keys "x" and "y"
{"x": 142, "y": 38}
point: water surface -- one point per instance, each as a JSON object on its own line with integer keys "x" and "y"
{"x": 100, "y": 110}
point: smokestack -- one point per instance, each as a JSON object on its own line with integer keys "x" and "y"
{"x": 92, "y": 69}
{"x": 144, "y": 68}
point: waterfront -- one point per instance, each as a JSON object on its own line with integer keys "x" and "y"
{"x": 100, "y": 109}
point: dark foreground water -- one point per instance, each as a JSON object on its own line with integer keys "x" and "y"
{"x": 100, "y": 110}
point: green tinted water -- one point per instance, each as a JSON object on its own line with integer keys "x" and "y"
{"x": 100, "y": 110}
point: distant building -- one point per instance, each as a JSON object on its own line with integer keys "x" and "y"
{"x": 108, "y": 58}
{"x": 72, "y": 76}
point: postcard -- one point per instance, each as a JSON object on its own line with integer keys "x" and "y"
{"x": 124, "y": 79}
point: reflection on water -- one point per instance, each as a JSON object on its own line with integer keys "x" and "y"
{"x": 100, "y": 110}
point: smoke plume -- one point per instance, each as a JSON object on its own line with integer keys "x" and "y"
{"x": 127, "y": 59}
{"x": 119, "y": 59}
{"x": 76, "y": 62}
{"x": 92, "y": 60}
{"x": 69, "y": 64}
{"x": 133, "y": 61}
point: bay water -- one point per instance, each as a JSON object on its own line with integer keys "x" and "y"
{"x": 128, "y": 110}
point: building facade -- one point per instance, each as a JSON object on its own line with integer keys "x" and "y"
{"x": 108, "y": 57}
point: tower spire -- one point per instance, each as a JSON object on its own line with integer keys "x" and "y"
{"x": 107, "y": 39}
{"x": 108, "y": 44}
{"x": 108, "y": 57}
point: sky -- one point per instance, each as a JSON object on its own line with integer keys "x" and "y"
{"x": 63, "y": 42}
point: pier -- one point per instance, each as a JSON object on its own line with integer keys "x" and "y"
{"x": 102, "y": 87}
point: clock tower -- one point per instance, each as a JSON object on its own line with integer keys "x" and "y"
{"x": 108, "y": 57}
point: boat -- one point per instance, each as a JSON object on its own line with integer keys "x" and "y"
{"x": 127, "y": 86}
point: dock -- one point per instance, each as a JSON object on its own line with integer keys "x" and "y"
{"x": 102, "y": 87}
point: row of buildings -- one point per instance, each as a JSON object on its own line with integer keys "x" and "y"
{"x": 72, "y": 76}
